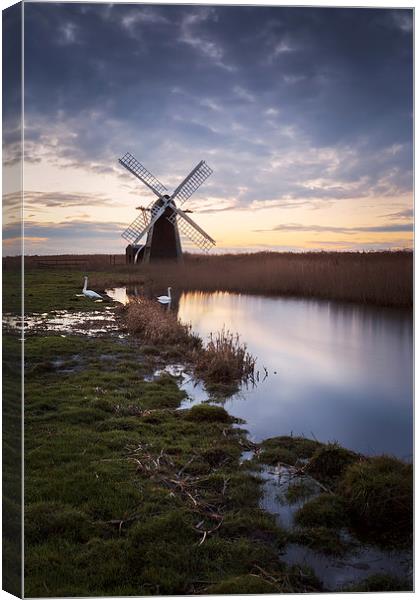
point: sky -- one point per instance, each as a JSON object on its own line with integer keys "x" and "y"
{"x": 304, "y": 114}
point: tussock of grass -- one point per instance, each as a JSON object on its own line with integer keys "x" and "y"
{"x": 224, "y": 360}
{"x": 326, "y": 510}
{"x": 373, "y": 497}
{"x": 379, "y": 494}
{"x": 300, "y": 491}
{"x": 208, "y": 413}
{"x": 287, "y": 449}
{"x": 330, "y": 461}
{"x": 321, "y": 539}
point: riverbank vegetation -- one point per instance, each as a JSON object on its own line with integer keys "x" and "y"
{"x": 126, "y": 495}
{"x": 130, "y": 491}
{"x": 222, "y": 363}
{"x": 372, "y": 497}
{"x": 382, "y": 278}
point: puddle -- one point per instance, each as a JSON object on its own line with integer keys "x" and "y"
{"x": 276, "y": 483}
{"x": 334, "y": 572}
{"x": 61, "y": 321}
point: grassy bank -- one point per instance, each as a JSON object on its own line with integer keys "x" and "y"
{"x": 383, "y": 278}
{"x": 372, "y": 497}
{"x": 126, "y": 494}
{"x": 222, "y": 364}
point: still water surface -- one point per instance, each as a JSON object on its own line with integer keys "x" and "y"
{"x": 336, "y": 372}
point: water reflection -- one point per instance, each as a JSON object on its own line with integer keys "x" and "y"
{"x": 336, "y": 372}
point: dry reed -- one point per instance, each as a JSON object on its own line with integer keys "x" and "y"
{"x": 223, "y": 361}
{"x": 383, "y": 278}
{"x": 157, "y": 325}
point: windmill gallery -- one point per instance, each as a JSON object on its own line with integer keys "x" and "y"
{"x": 160, "y": 223}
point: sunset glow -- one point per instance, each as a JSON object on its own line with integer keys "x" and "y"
{"x": 304, "y": 115}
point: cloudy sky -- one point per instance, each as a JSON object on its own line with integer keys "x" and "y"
{"x": 304, "y": 115}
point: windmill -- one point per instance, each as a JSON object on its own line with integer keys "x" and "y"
{"x": 162, "y": 220}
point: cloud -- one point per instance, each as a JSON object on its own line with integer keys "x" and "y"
{"x": 407, "y": 213}
{"x": 37, "y": 200}
{"x": 329, "y": 119}
{"x": 384, "y": 244}
{"x": 395, "y": 227}
{"x": 68, "y": 34}
{"x": 243, "y": 94}
{"x": 207, "y": 46}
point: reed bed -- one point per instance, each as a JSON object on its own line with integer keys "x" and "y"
{"x": 223, "y": 363}
{"x": 157, "y": 325}
{"x": 382, "y": 278}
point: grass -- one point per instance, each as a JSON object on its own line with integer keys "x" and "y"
{"x": 372, "y": 497}
{"x": 379, "y": 494}
{"x": 140, "y": 498}
{"x": 125, "y": 494}
{"x": 383, "y": 278}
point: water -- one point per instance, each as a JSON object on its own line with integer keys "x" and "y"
{"x": 336, "y": 372}
{"x": 336, "y": 572}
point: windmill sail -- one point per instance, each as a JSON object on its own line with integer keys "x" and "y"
{"x": 141, "y": 224}
{"x": 138, "y": 170}
{"x": 191, "y": 230}
{"x": 137, "y": 226}
{"x": 192, "y": 182}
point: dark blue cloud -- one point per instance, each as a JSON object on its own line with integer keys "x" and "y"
{"x": 244, "y": 87}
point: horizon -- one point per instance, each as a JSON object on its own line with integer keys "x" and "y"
{"x": 307, "y": 126}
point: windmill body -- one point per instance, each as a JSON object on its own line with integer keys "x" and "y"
{"x": 163, "y": 239}
{"x": 158, "y": 226}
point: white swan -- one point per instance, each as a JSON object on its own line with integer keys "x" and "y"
{"x": 165, "y": 299}
{"x": 89, "y": 293}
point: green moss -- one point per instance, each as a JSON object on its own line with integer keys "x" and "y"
{"x": 319, "y": 538}
{"x": 330, "y": 461}
{"x": 245, "y": 584}
{"x": 261, "y": 525}
{"x": 45, "y": 520}
{"x": 325, "y": 510}
{"x": 287, "y": 449}
{"x": 209, "y": 413}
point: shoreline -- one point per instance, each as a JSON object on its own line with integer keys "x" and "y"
{"x": 92, "y": 409}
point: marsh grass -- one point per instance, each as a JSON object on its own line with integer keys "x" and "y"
{"x": 223, "y": 363}
{"x": 379, "y": 495}
{"x": 125, "y": 495}
{"x": 383, "y": 277}
{"x": 372, "y": 497}
{"x": 157, "y": 325}
{"x": 224, "y": 360}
